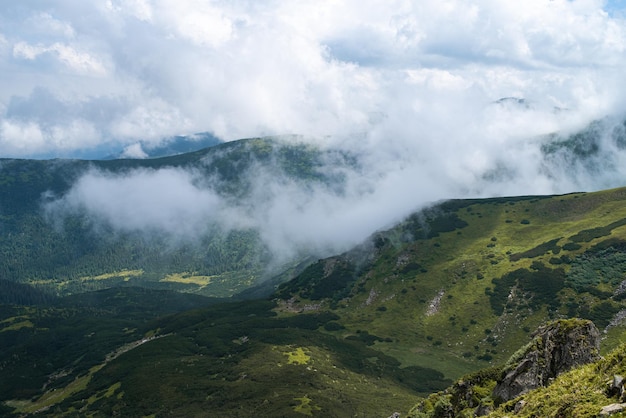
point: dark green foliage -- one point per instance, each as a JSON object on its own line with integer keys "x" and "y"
{"x": 133, "y": 300}
{"x": 365, "y": 337}
{"x": 217, "y": 342}
{"x": 5, "y": 410}
{"x": 12, "y": 293}
{"x": 571, "y": 246}
{"x": 604, "y": 312}
{"x": 616, "y": 244}
{"x": 444, "y": 223}
{"x": 429, "y": 223}
{"x": 328, "y": 278}
{"x": 593, "y": 233}
{"x": 411, "y": 268}
{"x": 333, "y": 326}
{"x": 539, "y": 287}
{"x": 601, "y": 314}
{"x": 536, "y": 265}
{"x": 76, "y": 333}
{"x": 594, "y": 267}
{"x": 539, "y": 250}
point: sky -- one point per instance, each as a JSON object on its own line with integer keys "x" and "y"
{"x": 415, "y": 88}
{"x": 81, "y": 76}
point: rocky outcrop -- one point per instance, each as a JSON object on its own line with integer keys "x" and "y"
{"x": 614, "y": 408}
{"x": 556, "y": 348}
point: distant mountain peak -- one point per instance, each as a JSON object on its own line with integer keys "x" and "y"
{"x": 169, "y": 146}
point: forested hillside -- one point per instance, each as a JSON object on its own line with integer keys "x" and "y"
{"x": 453, "y": 289}
{"x": 66, "y": 250}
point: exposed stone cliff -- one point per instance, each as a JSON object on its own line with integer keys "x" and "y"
{"x": 556, "y": 348}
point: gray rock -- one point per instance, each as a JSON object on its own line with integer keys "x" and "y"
{"x": 556, "y": 348}
{"x": 616, "y": 387}
{"x": 614, "y": 408}
{"x": 519, "y": 405}
{"x": 483, "y": 410}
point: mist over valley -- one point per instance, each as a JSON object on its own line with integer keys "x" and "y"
{"x": 330, "y": 208}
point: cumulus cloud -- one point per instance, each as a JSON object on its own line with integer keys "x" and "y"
{"x": 76, "y": 61}
{"x": 240, "y": 69}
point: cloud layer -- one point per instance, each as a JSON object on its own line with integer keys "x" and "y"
{"x": 377, "y": 188}
{"x": 82, "y": 75}
{"x": 414, "y": 89}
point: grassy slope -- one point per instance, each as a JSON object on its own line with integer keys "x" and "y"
{"x": 427, "y": 301}
{"x": 391, "y": 298}
{"x": 239, "y": 359}
{"x": 49, "y": 346}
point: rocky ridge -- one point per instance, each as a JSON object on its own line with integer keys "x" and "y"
{"x": 556, "y": 348}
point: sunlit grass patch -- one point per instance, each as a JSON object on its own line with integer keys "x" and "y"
{"x": 188, "y": 278}
{"x": 305, "y": 407}
{"x": 298, "y": 356}
{"x": 18, "y": 325}
{"x": 125, "y": 274}
{"x": 62, "y": 285}
{"x": 107, "y": 393}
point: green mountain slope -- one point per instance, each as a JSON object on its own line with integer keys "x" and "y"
{"x": 69, "y": 251}
{"x": 462, "y": 283}
{"x": 451, "y": 290}
{"x": 49, "y": 344}
{"x": 50, "y": 239}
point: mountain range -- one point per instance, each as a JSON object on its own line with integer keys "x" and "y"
{"x": 99, "y": 318}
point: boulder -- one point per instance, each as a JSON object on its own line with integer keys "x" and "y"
{"x": 616, "y": 387}
{"x": 614, "y": 408}
{"x": 556, "y": 348}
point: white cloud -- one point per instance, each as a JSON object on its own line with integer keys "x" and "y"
{"x": 148, "y": 201}
{"x": 196, "y": 20}
{"x": 151, "y": 120}
{"x": 21, "y": 138}
{"x": 411, "y": 87}
{"x": 139, "y": 9}
{"x": 30, "y": 137}
{"x": 77, "y": 61}
{"x": 47, "y": 25}
{"x": 134, "y": 151}
{"x": 247, "y": 68}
